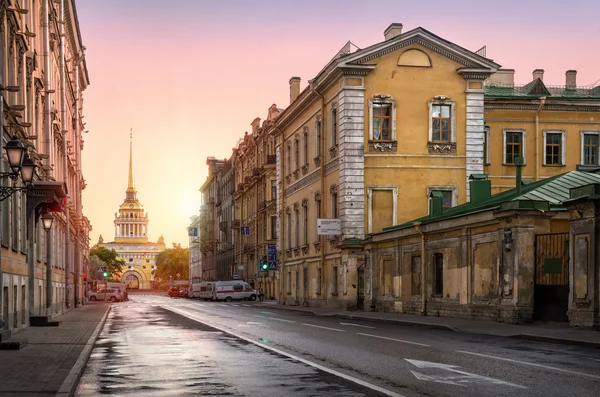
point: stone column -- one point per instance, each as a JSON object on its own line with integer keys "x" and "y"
{"x": 584, "y": 255}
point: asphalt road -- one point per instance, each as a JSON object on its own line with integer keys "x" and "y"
{"x": 168, "y": 344}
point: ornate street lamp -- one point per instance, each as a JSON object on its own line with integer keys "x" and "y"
{"x": 19, "y": 163}
{"x": 47, "y": 220}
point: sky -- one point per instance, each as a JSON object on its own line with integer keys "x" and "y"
{"x": 189, "y": 76}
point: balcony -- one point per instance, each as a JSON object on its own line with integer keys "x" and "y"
{"x": 235, "y": 224}
{"x": 256, "y": 171}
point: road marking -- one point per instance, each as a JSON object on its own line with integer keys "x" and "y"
{"x": 357, "y": 325}
{"x": 234, "y": 304}
{"x": 243, "y": 304}
{"x": 461, "y": 380}
{"x": 595, "y": 359}
{"x": 395, "y": 340}
{"x": 318, "y": 326}
{"x": 272, "y": 314}
{"x": 281, "y": 319}
{"x": 531, "y": 364}
{"x": 254, "y": 323}
{"x": 192, "y": 316}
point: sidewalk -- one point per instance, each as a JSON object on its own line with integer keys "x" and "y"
{"x": 544, "y": 332}
{"x": 55, "y": 357}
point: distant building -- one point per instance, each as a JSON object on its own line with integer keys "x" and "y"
{"x": 131, "y": 238}
{"x": 194, "y": 244}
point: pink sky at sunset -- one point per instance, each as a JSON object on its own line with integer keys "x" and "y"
{"x": 189, "y": 77}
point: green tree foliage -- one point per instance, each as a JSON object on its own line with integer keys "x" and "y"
{"x": 109, "y": 257}
{"x": 95, "y": 263}
{"x": 173, "y": 261}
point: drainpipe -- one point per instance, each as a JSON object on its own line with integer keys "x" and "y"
{"x": 282, "y": 284}
{"x": 537, "y": 137}
{"x": 78, "y": 208}
{"x": 46, "y": 147}
{"x": 63, "y": 120}
{"x": 419, "y": 229}
{"x": 322, "y": 172}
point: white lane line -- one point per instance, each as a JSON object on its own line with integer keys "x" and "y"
{"x": 318, "y": 326}
{"x": 394, "y": 339}
{"x": 234, "y": 304}
{"x": 595, "y": 359}
{"x": 281, "y": 319}
{"x": 357, "y": 325}
{"x": 243, "y": 304}
{"x": 272, "y": 314}
{"x": 286, "y": 354}
{"x": 531, "y": 364}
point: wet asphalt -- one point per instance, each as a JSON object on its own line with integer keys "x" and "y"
{"x": 145, "y": 350}
{"x": 153, "y": 345}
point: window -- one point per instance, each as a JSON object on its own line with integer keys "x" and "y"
{"x": 318, "y": 281}
{"x": 273, "y": 189}
{"x": 335, "y": 280}
{"x": 288, "y": 159}
{"x": 305, "y": 146}
{"x": 449, "y": 194}
{"x": 289, "y": 230}
{"x": 590, "y": 141}
{"x": 440, "y": 123}
{"x": 297, "y": 153}
{"x": 486, "y": 145}
{"x": 318, "y": 137}
{"x": 554, "y": 148}
{"x": 289, "y": 282}
{"x": 305, "y": 222}
{"x": 274, "y": 228}
{"x": 334, "y": 125}
{"x": 514, "y": 146}
{"x": 334, "y": 201}
{"x": 438, "y": 260}
{"x": 382, "y": 121}
{"x": 297, "y": 227}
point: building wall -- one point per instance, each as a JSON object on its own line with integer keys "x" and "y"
{"x": 18, "y": 68}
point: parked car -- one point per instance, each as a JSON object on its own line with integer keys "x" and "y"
{"x": 174, "y": 292}
{"x": 183, "y": 293}
{"x": 109, "y": 294}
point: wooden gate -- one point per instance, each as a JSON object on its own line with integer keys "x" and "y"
{"x": 551, "y": 289}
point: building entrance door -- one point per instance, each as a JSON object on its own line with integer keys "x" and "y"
{"x": 5, "y": 306}
{"x": 132, "y": 282}
{"x": 551, "y": 278}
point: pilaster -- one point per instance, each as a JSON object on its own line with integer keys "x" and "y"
{"x": 352, "y": 166}
{"x": 474, "y": 139}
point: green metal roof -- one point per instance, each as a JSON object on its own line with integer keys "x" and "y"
{"x": 537, "y": 88}
{"x": 550, "y": 191}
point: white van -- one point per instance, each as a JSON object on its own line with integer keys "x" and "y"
{"x": 204, "y": 290}
{"x": 233, "y": 290}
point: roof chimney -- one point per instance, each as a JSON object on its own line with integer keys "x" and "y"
{"x": 571, "y": 79}
{"x": 480, "y": 187}
{"x": 436, "y": 204}
{"x": 503, "y": 77}
{"x": 294, "y": 88}
{"x": 538, "y": 74}
{"x": 394, "y": 30}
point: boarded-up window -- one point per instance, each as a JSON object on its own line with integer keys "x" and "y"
{"x": 382, "y": 207}
{"x": 415, "y": 272}
{"x": 387, "y": 275}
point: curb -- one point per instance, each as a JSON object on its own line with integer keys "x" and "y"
{"x": 551, "y": 339}
{"x": 67, "y": 388}
{"x": 415, "y": 324}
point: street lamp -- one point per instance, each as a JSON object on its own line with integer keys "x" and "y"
{"x": 19, "y": 162}
{"x": 47, "y": 220}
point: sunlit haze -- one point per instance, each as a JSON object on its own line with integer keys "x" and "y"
{"x": 189, "y": 76}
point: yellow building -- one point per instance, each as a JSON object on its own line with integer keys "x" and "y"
{"x": 131, "y": 238}
{"x": 554, "y": 128}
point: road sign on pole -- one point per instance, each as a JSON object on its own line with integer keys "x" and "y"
{"x": 272, "y": 256}
{"x": 245, "y": 230}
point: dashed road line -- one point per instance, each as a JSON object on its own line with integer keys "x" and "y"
{"x": 394, "y": 339}
{"x": 319, "y": 326}
{"x": 357, "y": 325}
{"x": 281, "y": 319}
{"x": 530, "y": 364}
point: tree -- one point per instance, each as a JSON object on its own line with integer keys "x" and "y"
{"x": 109, "y": 257}
{"x": 173, "y": 262}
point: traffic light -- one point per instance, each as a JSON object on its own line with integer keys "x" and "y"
{"x": 104, "y": 273}
{"x": 264, "y": 266}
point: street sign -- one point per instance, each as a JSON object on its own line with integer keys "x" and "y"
{"x": 236, "y": 275}
{"x": 245, "y": 230}
{"x": 329, "y": 227}
{"x": 272, "y": 256}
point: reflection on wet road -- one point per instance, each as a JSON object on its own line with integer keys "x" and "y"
{"x": 148, "y": 351}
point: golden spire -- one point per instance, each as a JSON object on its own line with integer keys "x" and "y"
{"x": 130, "y": 187}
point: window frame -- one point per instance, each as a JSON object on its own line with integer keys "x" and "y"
{"x": 443, "y": 102}
{"x": 583, "y": 133}
{"x": 486, "y": 144}
{"x": 370, "y": 190}
{"x": 334, "y": 125}
{"x": 382, "y": 99}
{"x": 563, "y": 147}
{"x": 523, "y": 133}
{"x": 443, "y": 188}
{"x": 318, "y": 132}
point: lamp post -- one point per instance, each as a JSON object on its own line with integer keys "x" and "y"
{"x": 47, "y": 220}
{"x": 19, "y": 163}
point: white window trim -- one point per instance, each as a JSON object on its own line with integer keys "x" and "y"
{"x": 444, "y": 188}
{"x": 394, "y": 190}
{"x": 382, "y": 99}
{"x": 563, "y": 147}
{"x": 523, "y": 146}
{"x": 452, "y": 117}
{"x": 582, "y": 134}
{"x": 487, "y": 132}
{"x": 318, "y": 132}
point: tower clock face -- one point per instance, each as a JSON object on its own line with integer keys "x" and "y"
{"x": 131, "y": 206}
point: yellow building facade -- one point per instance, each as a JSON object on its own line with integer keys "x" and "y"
{"x": 131, "y": 238}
